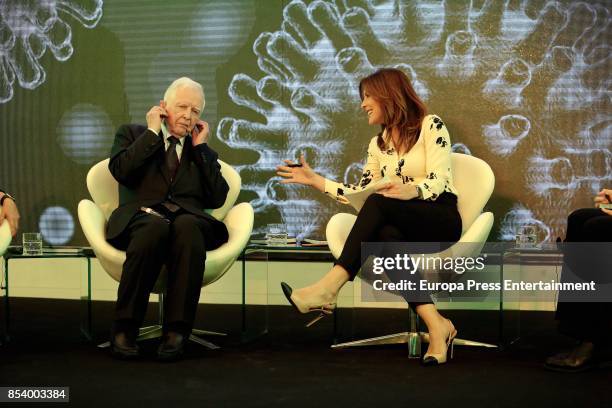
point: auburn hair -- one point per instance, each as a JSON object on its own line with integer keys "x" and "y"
{"x": 402, "y": 107}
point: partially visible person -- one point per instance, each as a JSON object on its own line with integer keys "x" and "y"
{"x": 590, "y": 323}
{"x": 9, "y": 211}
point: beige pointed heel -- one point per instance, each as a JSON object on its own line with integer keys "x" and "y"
{"x": 432, "y": 359}
{"x": 302, "y": 307}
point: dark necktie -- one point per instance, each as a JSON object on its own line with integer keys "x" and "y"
{"x": 172, "y": 160}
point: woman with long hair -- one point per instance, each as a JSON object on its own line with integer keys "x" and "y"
{"x": 419, "y": 205}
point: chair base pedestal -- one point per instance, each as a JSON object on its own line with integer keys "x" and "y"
{"x": 413, "y": 339}
{"x": 155, "y": 331}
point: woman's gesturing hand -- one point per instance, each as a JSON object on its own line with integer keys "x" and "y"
{"x": 398, "y": 191}
{"x": 297, "y": 173}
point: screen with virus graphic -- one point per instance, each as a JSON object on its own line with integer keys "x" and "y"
{"x": 522, "y": 84}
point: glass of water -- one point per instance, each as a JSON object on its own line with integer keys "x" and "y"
{"x": 276, "y": 234}
{"x": 526, "y": 237}
{"x": 32, "y": 243}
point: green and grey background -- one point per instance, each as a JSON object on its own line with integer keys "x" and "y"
{"x": 524, "y": 85}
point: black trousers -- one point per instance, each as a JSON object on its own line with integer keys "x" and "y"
{"x": 587, "y": 321}
{"x": 384, "y": 219}
{"x": 180, "y": 242}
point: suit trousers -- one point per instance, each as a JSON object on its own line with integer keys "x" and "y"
{"x": 180, "y": 242}
{"x": 587, "y": 321}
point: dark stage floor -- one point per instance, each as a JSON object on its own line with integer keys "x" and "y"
{"x": 293, "y": 365}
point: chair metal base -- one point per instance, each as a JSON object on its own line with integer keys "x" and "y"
{"x": 403, "y": 338}
{"x": 155, "y": 331}
{"x": 413, "y": 339}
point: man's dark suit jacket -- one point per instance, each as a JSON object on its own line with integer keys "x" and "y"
{"x": 138, "y": 163}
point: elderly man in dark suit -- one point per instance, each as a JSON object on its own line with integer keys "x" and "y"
{"x": 167, "y": 176}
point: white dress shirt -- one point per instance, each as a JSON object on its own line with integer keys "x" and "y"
{"x": 167, "y": 134}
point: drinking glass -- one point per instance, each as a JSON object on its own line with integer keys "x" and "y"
{"x": 526, "y": 237}
{"x": 276, "y": 234}
{"x": 32, "y": 243}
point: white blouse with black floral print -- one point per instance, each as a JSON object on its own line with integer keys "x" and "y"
{"x": 427, "y": 164}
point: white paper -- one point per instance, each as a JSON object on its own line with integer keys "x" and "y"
{"x": 358, "y": 197}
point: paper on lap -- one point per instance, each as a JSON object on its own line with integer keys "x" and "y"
{"x": 358, "y": 197}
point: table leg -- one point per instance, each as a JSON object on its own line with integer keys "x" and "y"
{"x": 254, "y": 316}
{"x": 86, "y": 304}
{"x": 7, "y": 313}
{"x": 243, "y": 327}
{"x": 501, "y": 301}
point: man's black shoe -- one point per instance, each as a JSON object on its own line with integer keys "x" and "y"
{"x": 123, "y": 347}
{"x": 579, "y": 359}
{"x": 171, "y": 347}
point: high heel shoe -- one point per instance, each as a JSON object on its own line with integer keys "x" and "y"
{"x": 303, "y": 307}
{"x": 431, "y": 359}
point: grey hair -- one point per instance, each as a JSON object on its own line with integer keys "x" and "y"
{"x": 180, "y": 83}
